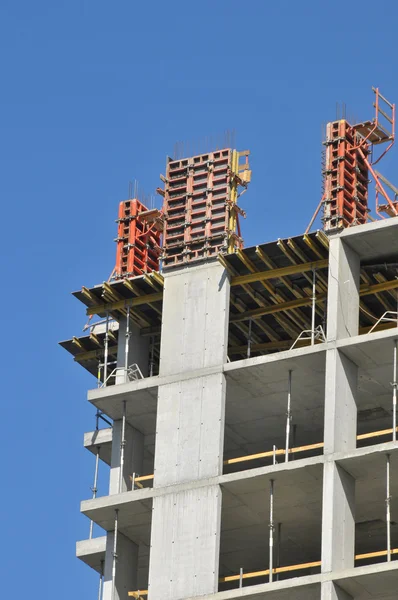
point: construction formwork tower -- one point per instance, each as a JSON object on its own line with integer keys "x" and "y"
{"x": 349, "y": 160}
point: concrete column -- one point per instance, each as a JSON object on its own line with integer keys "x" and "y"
{"x": 338, "y": 518}
{"x": 133, "y": 457}
{"x": 186, "y": 525}
{"x": 126, "y": 567}
{"x": 343, "y": 291}
{"x": 341, "y": 383}
{"x": 331, "y": 591}
{"x": 138, "y": 350}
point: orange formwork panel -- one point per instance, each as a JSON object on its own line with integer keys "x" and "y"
{"x": 138, "y": 241}
{"x": 345, "y": 177}
{"x": 200, "y": 209}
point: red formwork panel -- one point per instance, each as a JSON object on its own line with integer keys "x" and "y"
{"x": 138, "y": 241}
{"x": 196, "y": 207}
{"x": 345, "y": 177}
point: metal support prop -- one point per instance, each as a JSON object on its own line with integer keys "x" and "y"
{"x": 101, "y": 580}
{"x": 271, "y": 530}
{"x": 152, "y": 361}
{"x": 122, "y": 447}
{"x": 313, "y": 307}
{"x": 249, "y": 339}
{"x": 274, "y": 449}
{"x": 99, "y": 374}
{"x": 106, "y": 349}
{"x": 127, "y": 344}
{"x": 241, "y": 577}
{"x": 388, "y": 509}
{"x": 288, "y": 416}
{"x": 114, "y": 555}
{"x": 278, "y": 549}
{"x": 394, "y": 394}
{"x": 94, "y": 489}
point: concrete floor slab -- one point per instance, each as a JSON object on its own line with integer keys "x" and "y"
{"x": 100, "y": 438}
{"x": 92, "y": 552}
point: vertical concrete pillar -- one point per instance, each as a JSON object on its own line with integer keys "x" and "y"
{"x": 338, "y": 518}
{"x": 186, "y": 525}
{"x": 343, "y": 291}
{"x": 126, "y": 567}
{"x": 338, "y": 515}
{"x": 341, "y": 383}
{"x": 133, "y": 456}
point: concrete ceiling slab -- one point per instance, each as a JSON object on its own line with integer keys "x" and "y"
{"x": 377, "y": 240}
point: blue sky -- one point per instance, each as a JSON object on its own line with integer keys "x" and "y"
{"x": 95, "y": 94}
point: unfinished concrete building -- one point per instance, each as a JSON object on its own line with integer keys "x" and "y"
{"x": 246, "y": 397}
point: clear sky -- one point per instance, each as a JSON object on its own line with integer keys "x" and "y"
{"x": 96, "y": 93}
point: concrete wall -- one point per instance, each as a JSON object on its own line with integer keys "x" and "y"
{"x": 126, "y": 567}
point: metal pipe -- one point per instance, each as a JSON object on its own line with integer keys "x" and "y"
{"x": 127, "y": 343}
{"x": 122, "y": 446}
{"x": 106, "y": 348}
{"x": 278, "y": 549}
{"x": 114, "y": 555}
{"x": 94, "y": 488}
{"x": 313, "y": 307}
{"x": 271, "y": 530}
{"x": 249, "y": 339}
{"x": 288, "y": 416}
{"x": 152, "y": 361}
{"x": 388, "y": 509}
{"x": 394, "y": 394}
{"x": 101, "y": 580}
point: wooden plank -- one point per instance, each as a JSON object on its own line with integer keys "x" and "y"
{"x": 280, "y": 272}
{"x": 112, "y": 306}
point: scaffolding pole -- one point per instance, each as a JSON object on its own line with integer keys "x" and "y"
{"x": 394, "y": 393}
{"x": 313, "y": 307}
{"x": 101, "y": 580}
{"x": 288, "y": 416}
{"x": 388, "y": 509}
{"x": 106, "y": 349}
{"x": 122, "y": 447}
{"x": 278, "y": 550}
{"x": 249, "y": 339}
{"x": 271, "y": 530}
{"x": 152, "y": 361}
{"x": 94, "y": 489}
{"x": 127, "y": 344}
{"x": 114, "y": 555}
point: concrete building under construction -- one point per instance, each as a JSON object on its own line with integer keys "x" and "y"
{"x": 246, "y": 397}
